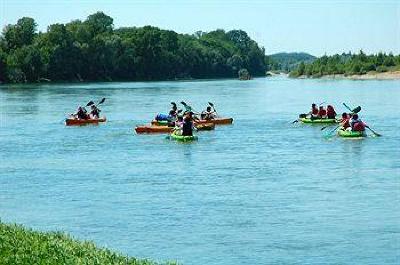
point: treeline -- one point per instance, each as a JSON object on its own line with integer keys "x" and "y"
{"x": 286, "y": 62}
{"x": 92, "y": 50}
{"x": 348, "y": 64}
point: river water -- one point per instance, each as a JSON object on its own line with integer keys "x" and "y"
{"x": 261, "y": 191}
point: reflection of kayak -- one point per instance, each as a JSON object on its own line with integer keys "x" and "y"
{"x": 317, "y": 121}
{"x": 166, "y": 129}
{"x": 73, "y": 121}
{"x": 182, "y": 138}
{"x": 218, "y": 121}
{"x": 351, "y": 134}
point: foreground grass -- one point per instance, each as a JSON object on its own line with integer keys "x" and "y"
{"x": 19, "y": 245}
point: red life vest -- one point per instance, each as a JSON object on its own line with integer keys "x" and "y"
{"x": 345, "y": 123}
{"x": 314, "y": 111}
{"x": 322, "y": 113}
{"x": 330, "y": 112}
{"x": 359, "y": 127}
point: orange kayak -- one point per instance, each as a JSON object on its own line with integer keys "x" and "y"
{"x": 73, "y": 121}
{"x": 218, "y": 121}
{"x": 166, "y": 129}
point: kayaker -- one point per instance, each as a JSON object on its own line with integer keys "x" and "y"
{"x": 81, "y": 113}
{"x": 345, "y": 121}
{"x": 356, "y": 123}
{"x": 95, "y": 112}
{"x": 174, "y": 108}
{"x": 170, "y": 117}
{"x": 314, "y": 110}
{"x": 208, "y": 114}
{"x": 321, "y": 112}
{"x": 330, "y": 112}
{"x": 187, "y": 126}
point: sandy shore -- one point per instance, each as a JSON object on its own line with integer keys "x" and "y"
{"x": 368, "y": 76}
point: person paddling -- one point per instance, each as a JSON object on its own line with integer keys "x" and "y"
{"x": 187, "y": 126}
{"x": 321, "y": 113}
{"x": 81, "y": 113}
{"x": 95, "y": 112}
{"x": 357, "y": 124}
{"x": 314, "y": 110}
{"x": 345, "y": 121}
{"x": 208, "y": 114}
{"x": 330, "y": 112}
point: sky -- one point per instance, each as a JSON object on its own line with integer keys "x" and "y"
{"x": 316, "y": 27}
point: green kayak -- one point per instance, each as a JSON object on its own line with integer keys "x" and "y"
{"x": 351, "y": 134}
{"x": 182, "y": 138}
{"x": 317, "y": 121}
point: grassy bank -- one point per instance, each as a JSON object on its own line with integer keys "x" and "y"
{"x": 19, "y": 245}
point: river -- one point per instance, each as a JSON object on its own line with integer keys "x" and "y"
{"x": 260, "y": 191}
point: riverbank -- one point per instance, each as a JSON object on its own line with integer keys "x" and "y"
{"x": 392, "y": 75}
{"x": 368, "y": 76}
{"x": 19, "y": 245}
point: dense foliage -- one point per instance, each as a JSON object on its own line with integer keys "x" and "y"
{"x": 287, "y": 62}
{"x": 24, "y": 246}
{"x": 94, "y": 50}
{"x": 348, "y": 64}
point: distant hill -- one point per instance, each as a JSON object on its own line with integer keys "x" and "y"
{"x": 284, "y": 61}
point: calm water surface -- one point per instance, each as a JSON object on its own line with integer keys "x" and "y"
{"x": 261, "y": 191}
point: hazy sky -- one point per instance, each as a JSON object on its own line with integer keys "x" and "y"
{"x": 316, "y": 27}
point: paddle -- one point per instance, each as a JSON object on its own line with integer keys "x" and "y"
{"x": 323, "y": 128}
{"x": 90, "y": 103}
{"x": 329, "y": 134}
{"x": 212, "y": 105}
{"x": 375, "y": 133}
{"x": 355, "y": 110}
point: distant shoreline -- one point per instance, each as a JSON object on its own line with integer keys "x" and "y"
{"x": 392, "y": 75}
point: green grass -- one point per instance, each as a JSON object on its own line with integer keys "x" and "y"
{"x": 19, "y": 245}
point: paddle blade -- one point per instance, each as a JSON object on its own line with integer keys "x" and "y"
{"x": 101, "y": 101}
{"x": 356, "y": 110}
{"x": 183, "y": 103}
{"x": 90, "y": 103}
{"x": 209, "y": 103}
{"x": 173, "y": 103}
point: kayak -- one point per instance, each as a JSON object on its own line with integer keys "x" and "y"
{"x": 317, "y": 121}
{"x": 166, "y": 129}
{"x": 218, "y": 121}
{"x": 73, "y": 121}
{"x": 182, "y": 138}
{"x": 351, "y": 134}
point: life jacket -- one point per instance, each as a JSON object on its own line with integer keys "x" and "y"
{"x": 330, "y": 112}
{"x": 345, "y": 123}
{"x": 314, "y": 111}
{"x": 359, "y": 127}
{"x": 322, "y": 112}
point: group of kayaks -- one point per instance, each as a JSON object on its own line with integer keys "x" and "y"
{"x": 165, "y": 127}
{"x": 340, "y": 131}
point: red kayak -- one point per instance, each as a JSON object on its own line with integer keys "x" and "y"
{"x": 218, "y": 121}
{"x": 73, "y": 121}
{"x": 166, "y": 129}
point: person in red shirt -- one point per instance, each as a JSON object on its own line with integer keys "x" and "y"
{"x": 330, "y": 112}
{"x": 321, "y": 113}
{"x": 345, "y": 121}
{"x": 314, "y": 110}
